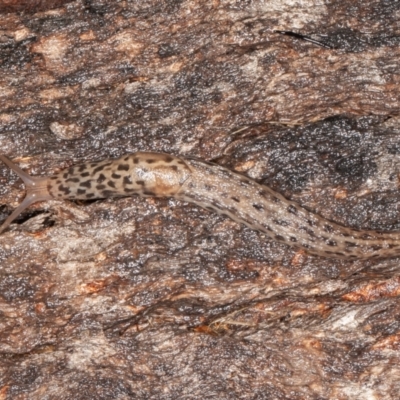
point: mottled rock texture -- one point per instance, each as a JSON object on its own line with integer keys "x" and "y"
{"x": 158, "y": 299}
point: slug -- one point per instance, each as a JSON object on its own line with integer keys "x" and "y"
{"x": 214, "y": 188}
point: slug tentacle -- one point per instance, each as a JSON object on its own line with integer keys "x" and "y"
{"x": 36, "y": 190}
{"x": 212, "y": 187}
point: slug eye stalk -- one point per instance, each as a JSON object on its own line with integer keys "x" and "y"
{"x": 36, "y": 190}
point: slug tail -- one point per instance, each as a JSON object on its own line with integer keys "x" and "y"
{"x": 36, "y": 190}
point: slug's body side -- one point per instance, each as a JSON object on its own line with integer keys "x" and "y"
{"x": 215, "y": 188}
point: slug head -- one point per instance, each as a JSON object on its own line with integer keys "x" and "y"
{"x": 36, "y": 190}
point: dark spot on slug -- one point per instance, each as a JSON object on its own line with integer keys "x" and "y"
{"x": 101, "y": 178}
{"x": 89, "y": 195}
{"x": 123, "y": 167}
{"x": 100, "y": 187}
{"x": 85, "y": 174}
{"x": 208, "y": 163}
{"x": 82, "y": 167}
{"x": 174, "y": 167}
{"x": 115, "y": 176}
{"x": 73, "y": 180}
{"x": 65, "y": 175}
{"x": 281, "y": 222}
{"x": 126, "y": 158}
{"x": 307, "y": 230}
{"x": 350, "y": 244}
{"x": 328, "y": 228}
{"x": 136, "y": 160}
{"x": 80, "y": 191}
{"x": 244, "y": 182}
{"x": 263, "y": 193}
{"x": 150, "y": 161}
{"x": 140, "y": 183}
{"x": 64, "y": 189}
{"x": 87, "y": 184}
{"x": 366, "y": 236}
{"x": 292, "y": 209}
{"x": 53, "y": 178}
{"x": 111, "y": 184}
{"x": 280, "y": 238}
{"x": 180, "y": 162}
{"x": 258, "y": 207}
{"x": 235, "y": 199}
{"x": 168, "y": 159}
{"x": 148, "y": 193}
{"x": 127, "y": 180}
{"x": 107, "y": 193}
{"x": 99, "y": 168}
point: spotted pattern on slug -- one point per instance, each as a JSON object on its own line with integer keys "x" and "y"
{"x": 214, "y": 188}
{"x": 145, "y": 174}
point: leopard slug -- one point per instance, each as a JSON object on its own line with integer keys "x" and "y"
{"x": 214, "y": 188}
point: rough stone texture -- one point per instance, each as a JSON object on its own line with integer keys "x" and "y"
{"x": 157, "y": 299}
